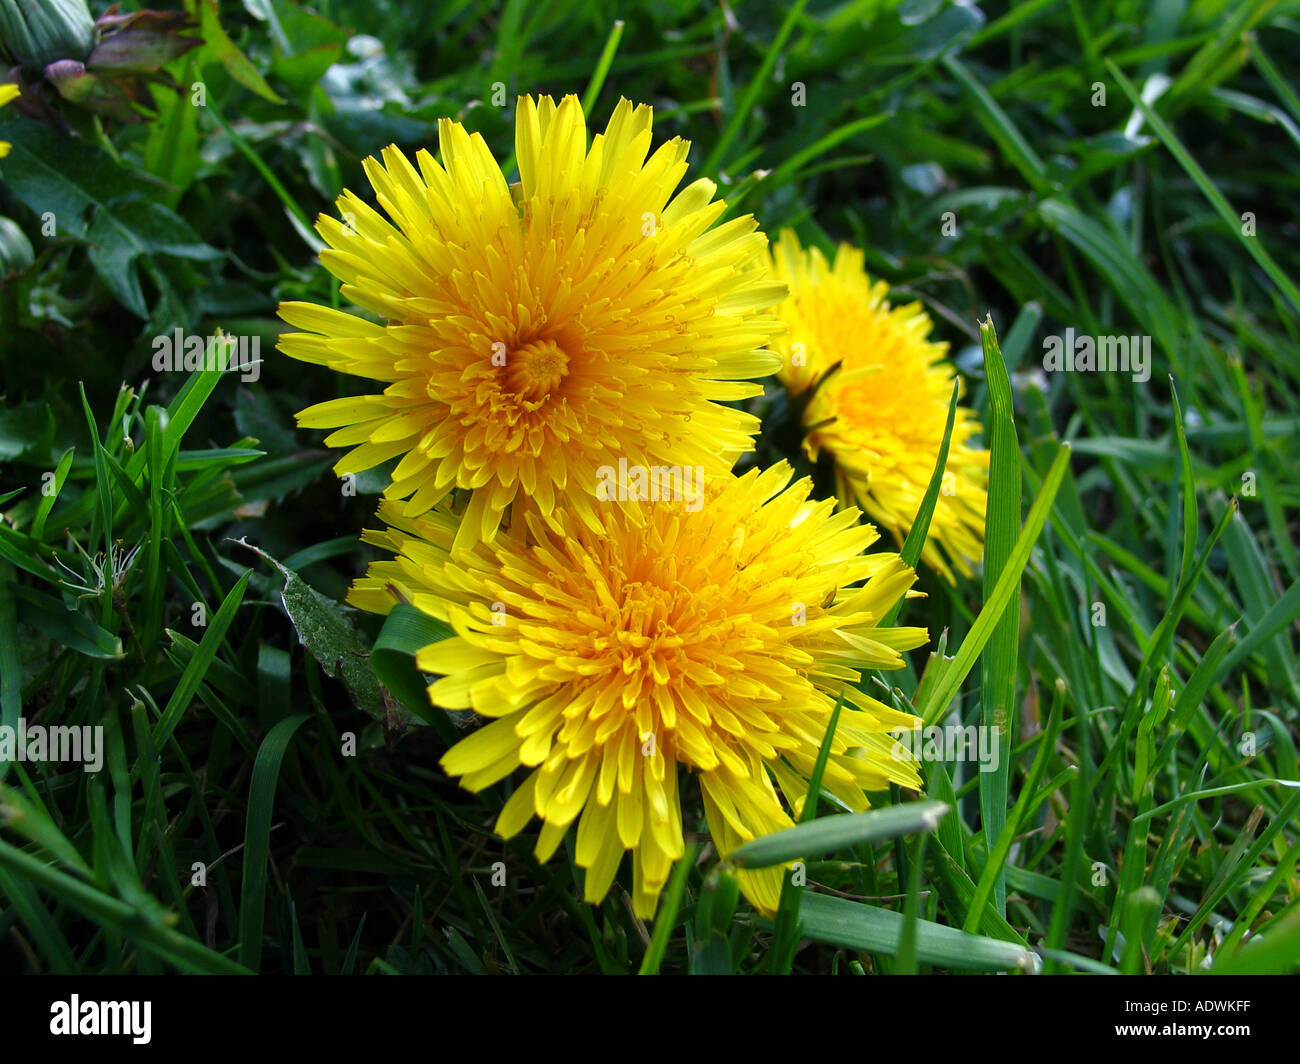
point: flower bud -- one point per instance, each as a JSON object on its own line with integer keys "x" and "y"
{"x": 36, "y": 34}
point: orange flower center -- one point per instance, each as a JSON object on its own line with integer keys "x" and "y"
{"x": 535, "y": 370}
{"x": 647, "y": 629}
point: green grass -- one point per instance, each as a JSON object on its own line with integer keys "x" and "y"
{"x": 173, "y": 553}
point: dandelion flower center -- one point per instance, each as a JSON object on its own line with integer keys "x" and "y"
{"x": 535, "y": 371}
{"x": 894, "y": 398}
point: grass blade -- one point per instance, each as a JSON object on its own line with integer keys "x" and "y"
{"x": 854, "y": 925}
{"x": 831, "y": 833}
{"x": 1000, "y": 662}
{"x": 257, "y": 838}
{"x": 951, "y": 678}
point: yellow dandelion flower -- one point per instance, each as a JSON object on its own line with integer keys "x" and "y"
{"x": 534, "y": 333}
{"x": 878, "y": 401}
{"x": 715, "y": 640}
{"x": 8, "y": 93}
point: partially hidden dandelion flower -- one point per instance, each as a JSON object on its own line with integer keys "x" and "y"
{"x": 8, "y": 93}
{"x": 715, "y": 641}
{"x": 879, "y": 392}
{"x": 533, "y": 333}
